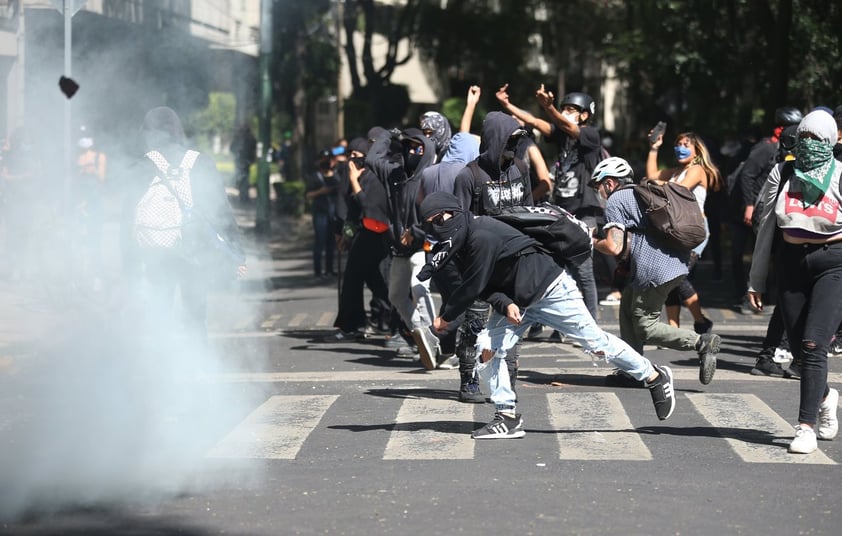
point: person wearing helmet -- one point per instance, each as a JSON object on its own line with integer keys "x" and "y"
{"x": 743, "y": 186}
{"x": 580, "y": 150}
{"x": 652, "y": 272}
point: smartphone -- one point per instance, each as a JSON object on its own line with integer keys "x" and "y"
{"x": 657, "y": 130}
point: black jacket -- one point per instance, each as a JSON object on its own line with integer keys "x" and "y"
{"x": 500, "y": 265}
{"x": 386, "y": 161}
{"x": 752, "y": 176}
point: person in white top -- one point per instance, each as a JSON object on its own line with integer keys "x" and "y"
{"x": 696, "y": 172}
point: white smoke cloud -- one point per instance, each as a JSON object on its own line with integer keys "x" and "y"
{"x": 107, "y": 401}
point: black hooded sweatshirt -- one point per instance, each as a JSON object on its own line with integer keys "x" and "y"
{"x": 386, "y": 159}
{"x": 499, "y": 265}
{"x": 487, "y": 187}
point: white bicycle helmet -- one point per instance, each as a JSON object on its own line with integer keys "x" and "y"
{"x": 614, "y": 167}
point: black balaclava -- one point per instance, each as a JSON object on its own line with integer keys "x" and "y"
{"x": 413, "y": 163}
{"x": 449, "y": 235}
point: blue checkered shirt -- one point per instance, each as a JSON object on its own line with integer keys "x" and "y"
{"x": 649, "y": 264}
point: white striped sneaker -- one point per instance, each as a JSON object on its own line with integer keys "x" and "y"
{"x": 663, "y": 392}
{"x": 501, "y": 427}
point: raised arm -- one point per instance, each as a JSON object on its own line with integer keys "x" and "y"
{"x": 547, "y": 102}
{"x": 503, "y": 97}
{"x": 652, "y": 161}
{"x": 474, "y": 93}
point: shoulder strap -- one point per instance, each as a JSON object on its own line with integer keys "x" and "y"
{"x": 473, "y": 165}
{"x": 187, "y": 162}
{"x": 787, "y": 171}
{"x": 160, "y": 162}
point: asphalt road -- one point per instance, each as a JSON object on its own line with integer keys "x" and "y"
{"x": 272, "y": 431}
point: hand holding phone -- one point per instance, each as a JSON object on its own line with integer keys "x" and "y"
{"x": 657, "y": 131}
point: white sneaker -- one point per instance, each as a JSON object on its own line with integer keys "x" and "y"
{"x": 805, "y": 440}
{"x": 428, "y": 346}
{"x": 782, "y": 356}
{"x": 828, "y": 424}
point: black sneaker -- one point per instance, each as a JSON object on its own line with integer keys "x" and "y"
{"x": 470, "y": 393}
{"x": 793, "y": 371}
{"x": 344, "y": 336}
{"x": 705, "y": 325}
{"x": 555, "y": 336}
{"x": 708, "y": 347}
{"x": 535, "y": 331}
{"x": 663, "y": 392}
{"x": 618, "y": 378}
{"x": 767, "y": 367}
{"x": 501, "y": 427}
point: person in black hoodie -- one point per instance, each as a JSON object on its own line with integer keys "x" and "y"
{"x": 397, "y": 159}
{"x": 493, "y": 181}
{"x": 523, "y": 284}
{"x": 365, "y": 218}
{"x": 165, "y": 268}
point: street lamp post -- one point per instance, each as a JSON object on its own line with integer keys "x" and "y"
{"x": 261, "y": 223}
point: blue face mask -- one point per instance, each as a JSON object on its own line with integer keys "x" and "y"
{"x": 681, "y": 152}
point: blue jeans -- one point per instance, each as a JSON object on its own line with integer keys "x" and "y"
{"x": 561, "y": 308}
{"x": 323, "y": 243}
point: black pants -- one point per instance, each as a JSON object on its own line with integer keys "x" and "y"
{"x": 476, "y": 319}
{"x": 741, "y": 236}
{"x": 810, "y": 294}
{"x": 362, "y": 268}
{"x": 448, "y": 279}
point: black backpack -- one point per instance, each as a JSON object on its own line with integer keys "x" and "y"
{"x": 672, "y": 214}
{"x": 559, "y": 232}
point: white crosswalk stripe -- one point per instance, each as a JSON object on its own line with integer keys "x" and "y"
{"x": 588, "y": 426}
{"x": 593, "y": 426}
{"x": 755, "y": 432}
{"x": 432, "y": 429}
{"x": 275, "y": 430}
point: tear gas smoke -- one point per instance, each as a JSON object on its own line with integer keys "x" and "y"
{"x": 108, "y": 400}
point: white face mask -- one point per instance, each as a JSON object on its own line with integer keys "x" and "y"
{"x": 572, "y": 117}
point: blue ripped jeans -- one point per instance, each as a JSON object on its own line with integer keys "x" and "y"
{"x": 561, "y": 308}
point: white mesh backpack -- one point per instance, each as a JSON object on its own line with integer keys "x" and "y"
{"x": 160, "y": 214}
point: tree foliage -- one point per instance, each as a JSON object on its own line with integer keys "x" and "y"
{"x": 714, "y": 66}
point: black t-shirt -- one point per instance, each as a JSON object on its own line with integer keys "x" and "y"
{"x": 577, "y": 159}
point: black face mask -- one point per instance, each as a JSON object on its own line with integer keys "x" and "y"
{"x": 411, "y": 161}
{"x": 509, "y": 151}
{"x": 449, "y": 236}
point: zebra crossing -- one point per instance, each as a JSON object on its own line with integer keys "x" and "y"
{"x": 588, "y": 426}
{"x": 223, "y": 322}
